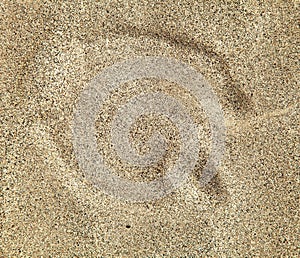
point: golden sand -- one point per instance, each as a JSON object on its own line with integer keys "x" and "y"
{"x": 246, "y": 51}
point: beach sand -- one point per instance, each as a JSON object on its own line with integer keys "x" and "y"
{"x": 248, "y": 54}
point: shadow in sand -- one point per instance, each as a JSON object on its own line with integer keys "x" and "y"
{"x": 241, "y": 102}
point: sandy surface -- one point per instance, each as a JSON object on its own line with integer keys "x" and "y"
{"x": 248, "y": 54}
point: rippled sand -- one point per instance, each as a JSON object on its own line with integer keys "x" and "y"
{"x": 49, "y": 54}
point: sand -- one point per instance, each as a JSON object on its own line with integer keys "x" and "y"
{"x": 248, "y": 54}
